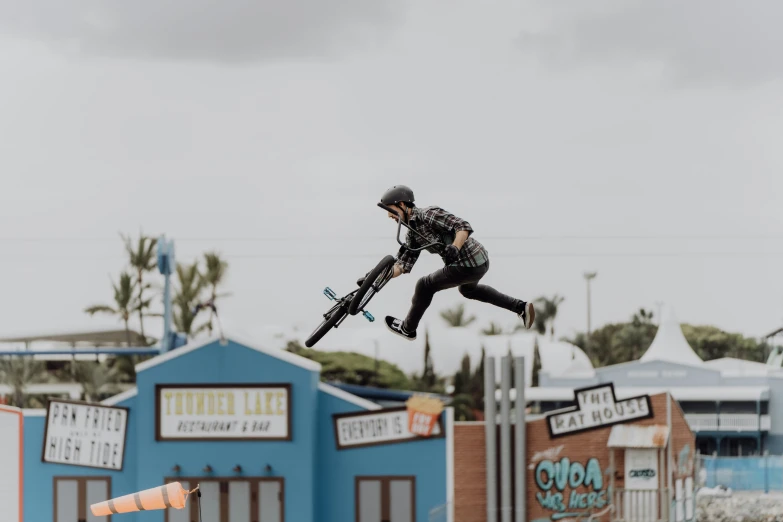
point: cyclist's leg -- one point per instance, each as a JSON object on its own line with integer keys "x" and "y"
{"x": 446, "y": 277}
{"x": 490, "y": 295}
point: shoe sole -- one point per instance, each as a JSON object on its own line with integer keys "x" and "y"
{"x": 392, "y": 330}
{"x": 530, "y": 313}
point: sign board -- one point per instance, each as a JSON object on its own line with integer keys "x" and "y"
{"x": 597, "y": 407}
{"x": 641, "y": 469}
{"x": 85, "y": 434}
{"x": 370, "y": 428}
{"x": 222, "y": 412}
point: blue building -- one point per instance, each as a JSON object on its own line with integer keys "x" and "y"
{"x": 259, "y": 433}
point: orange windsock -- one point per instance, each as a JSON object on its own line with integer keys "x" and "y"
{"x": 161, "y": 497}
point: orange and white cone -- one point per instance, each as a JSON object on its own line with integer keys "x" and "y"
{"x": 169, "y": 496}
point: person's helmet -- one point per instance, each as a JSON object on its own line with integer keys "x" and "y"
{"x": 397, "y": 194}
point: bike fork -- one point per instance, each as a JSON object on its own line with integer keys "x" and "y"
{"x": 328, "y": 292}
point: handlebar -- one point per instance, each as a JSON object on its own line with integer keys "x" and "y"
{"x": 400, "y": 224}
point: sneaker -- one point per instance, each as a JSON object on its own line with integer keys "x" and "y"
{"x": 395, "y": 325}
{"x": 528, "y": 315}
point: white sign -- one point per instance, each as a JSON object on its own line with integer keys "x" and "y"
{"x": 597, "y": 408}
{"x": 641, "y": 469}
{"x": 382, "y": 427}
{"x": 223, "y": 412}
{"x": 85, "y": 434}
{"x": 11, "y": 463}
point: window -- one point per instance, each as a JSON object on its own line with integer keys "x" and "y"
{"x": 386, "y": 499}
{"x": 231, "y": 500}
{"x": 73, "y": 496}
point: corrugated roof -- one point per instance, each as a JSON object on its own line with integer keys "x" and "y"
{"x": 632, "y": 436}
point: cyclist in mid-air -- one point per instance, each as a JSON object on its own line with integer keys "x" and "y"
{"x": 466, "y": 261}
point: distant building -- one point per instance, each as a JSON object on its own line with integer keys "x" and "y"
{"x": 727, "y": 402}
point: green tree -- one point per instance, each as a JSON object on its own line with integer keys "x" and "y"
{"x": 353, "y": 368}
{"x": 456, "y": 316}
{"x": 616, "y": 343}
{"x": 493, "y": 329}
{"x": 213, "y": 277}
{"x": 186, "y": 297}
{"x": 142, "y": 259}
{"x": 124, "y": 303}
{"x": 96, "y": 378}
{"x": 546, "y": 313}
{"x": 19, "y": 372}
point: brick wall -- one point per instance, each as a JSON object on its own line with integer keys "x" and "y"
{"x": 470, "y": 464}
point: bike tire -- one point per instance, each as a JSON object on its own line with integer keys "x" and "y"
{"x": 356, "y": 303}
{"x": 327, "y": 324}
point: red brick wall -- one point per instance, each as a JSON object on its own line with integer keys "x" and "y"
{"x": 470, "y": 464}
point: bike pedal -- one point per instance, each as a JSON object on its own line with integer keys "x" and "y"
{"x": 328, "y": 292}
{"x": 368, "y": 316}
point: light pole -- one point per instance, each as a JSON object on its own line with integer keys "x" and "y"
{"x": 589, "y": 276}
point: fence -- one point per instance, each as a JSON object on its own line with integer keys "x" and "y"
{"x": 761, "y": 473}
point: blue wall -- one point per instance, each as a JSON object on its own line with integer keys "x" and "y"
{"x": 319, "y": 480}
{"x": 337, "y": 468}
{"x": 39, "y": 476}
{"x": 744, "y": 473}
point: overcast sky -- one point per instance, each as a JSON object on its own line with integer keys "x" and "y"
{"x": 637, "y": 139}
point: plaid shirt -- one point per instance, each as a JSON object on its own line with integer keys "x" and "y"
{"x": 436, "y": 224}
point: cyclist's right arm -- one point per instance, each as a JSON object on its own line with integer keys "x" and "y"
{"x": 405, "y": 260}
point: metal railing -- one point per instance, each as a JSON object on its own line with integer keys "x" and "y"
{"x": 635, "y": 505}
{"x": 728, "y": 422}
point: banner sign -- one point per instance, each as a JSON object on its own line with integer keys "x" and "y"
{"x": 597, "y": 407}
{"x": 370, "y": 428}
{"x": 85, "y": 434}
{"x": 223, "y": 412}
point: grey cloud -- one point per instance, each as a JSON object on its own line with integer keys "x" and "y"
{"x": 204, "y": 30}
{"x": 702, "y": 42}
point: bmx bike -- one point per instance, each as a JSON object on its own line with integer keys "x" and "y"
{"x": 354, "y": 302}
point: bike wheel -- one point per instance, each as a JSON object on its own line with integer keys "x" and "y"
{"x": 375, "y": 280}
{"x": 330, "y": 320}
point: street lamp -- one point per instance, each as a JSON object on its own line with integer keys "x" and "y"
{"x": 589, "y": 276}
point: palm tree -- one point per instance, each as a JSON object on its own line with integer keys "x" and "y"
{"x": 214, "y": 276}
{"x": 124, "y": 303}
{"x": 142, "y": 259}
{"x": 492, "y": 329}
{"x": 546, "y": 312}
{"x": 186, "y": 298}
{"x": 19, "y": 372}
{"x": 96, "y": 378}
{"x": 456, "y": 316}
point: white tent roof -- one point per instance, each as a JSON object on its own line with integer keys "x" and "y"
{"x": 670, "y": 343}
{"x": 559, "y": 358}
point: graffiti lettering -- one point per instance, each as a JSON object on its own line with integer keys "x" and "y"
{"x": 644, "y": 473}
{"x": 564, "y": 473}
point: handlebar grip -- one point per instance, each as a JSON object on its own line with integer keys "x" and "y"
{"x": 387, "y": 208}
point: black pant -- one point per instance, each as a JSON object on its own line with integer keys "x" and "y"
{"x": 466, "y": 278}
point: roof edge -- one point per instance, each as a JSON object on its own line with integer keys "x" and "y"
{"x": 296, "y": 360}
{"x": 348, "y": 397}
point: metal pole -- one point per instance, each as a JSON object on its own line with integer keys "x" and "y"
{"x": 520, "y": 441}
{"x": 669, "y": 470}
{"x": 490, "y": 430}
{"x": 588, "y": 277}
{"x": 505, "y": 438}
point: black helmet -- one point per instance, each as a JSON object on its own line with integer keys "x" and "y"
{"x": 396, "y": 194}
